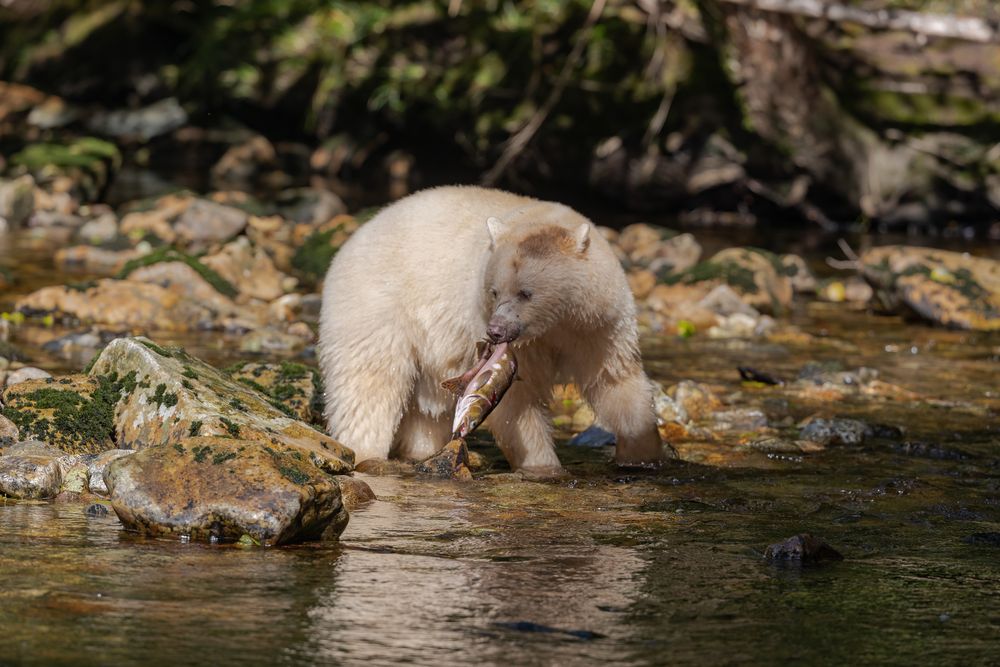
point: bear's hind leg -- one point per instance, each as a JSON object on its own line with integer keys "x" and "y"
{"x": 624, "y": 406}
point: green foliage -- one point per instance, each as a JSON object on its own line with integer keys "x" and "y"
{"x": 313, "y": 257}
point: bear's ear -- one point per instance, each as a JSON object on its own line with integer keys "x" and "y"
{"x": 496, "y": 228}
{"x": 582, "y": 236}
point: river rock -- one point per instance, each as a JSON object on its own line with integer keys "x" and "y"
{"x": 178, "y": 396}
{"x": 17, "y": 201}
{"x": 354, "y": 492}
{"x": 697, "y": 400}
{"x": 98, "y": 464}
{"x": 291, "y": 387}
{"x": 29, "y": 476}
{"x": 757, "y": 275}
{"x": 191, "y": 286}
{"x": 25, "y": 374}
{"x": 93, "y": 260}
{"x": 102, "y": 229}
{"x": 270, "y": 340}
{"x": 204, "y": 222}
{"x": 242, "y": 162}
{"x": 214, "y": 488}
{"x": 952, "y": 289}
{"x": 8, "y": 432}
{"x": 853, "y": 289}
{"x": 836, "y": 431}
{"x": 125, "y": 304}
{"x": 158, "y": 219}
{"x": 593, "y": 436}
{"x": 799, "y": 274}
{"x": 452, "y": 462}
{"x": 803, "y": 548}
{"x": 249, "y": 269}
{"x": 141, "y": 124}
{"x": 309, "y": 206}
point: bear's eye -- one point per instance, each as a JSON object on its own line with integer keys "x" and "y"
{"x": 525, "y": 294}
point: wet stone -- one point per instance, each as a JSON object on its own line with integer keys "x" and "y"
{"x": 803, "y": 548}
{"x": 8, "y": 432}
{"x": 29, "y": 476}
{"x": 97, "y": 510}
{"x": 25, "y": 374}
{"x": 221, "y": 489}
{"x": 451, "y": 462}
{"x": 97, "y": 465}
{"x": 205, "y": 222}
{"x": 836, "y": 431}
{"x": 291, "y": 387}
{"x": 355, "y": 492}
{"x": 594, "y": 436}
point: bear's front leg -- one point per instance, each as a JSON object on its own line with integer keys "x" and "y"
{"x": 624, "y": 405}
{"x": 521, "y": 428}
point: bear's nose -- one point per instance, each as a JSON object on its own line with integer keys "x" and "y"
{"x": 502, "y": 332}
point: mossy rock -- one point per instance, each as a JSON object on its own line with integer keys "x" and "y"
{"x": 758, "y": 276}
{"x": 291, "y": 387}
{"x": 181, "y": 396}
{"x": 313, "y": 257}
{"x": 75, "y": 413}
{"x": 952, "y": 289}
{"x": 88, "y": 161}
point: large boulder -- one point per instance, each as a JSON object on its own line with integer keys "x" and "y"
{"x": 224, "y": 489}
{"x": 29, "y": 476}
{"x": 177, "y": 396}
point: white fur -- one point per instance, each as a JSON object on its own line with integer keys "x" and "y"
{"x": 405, "y": 301}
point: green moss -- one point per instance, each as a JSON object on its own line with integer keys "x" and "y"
{"x": 81, "y": 287}
{"x": 194, "y": 428}
{"x": 171, "y": 254}
{"x": 256, "y": 386}
{"x": 293, "y": 474}
{"x": 313, "y": 257}
{"x": 201, "y": 453}
{"x": 163, "y": 352}
{"x": 162, "y": 397}
{"x": 179, "y": 447}
{"x": 735, "y": 275}
{"x": 188, "y": 373}
{"x": 187, "y": 384}
{"x": 222, "y": 457}
{"x": 237, "y": 404}
{"x": 231, "y": 427}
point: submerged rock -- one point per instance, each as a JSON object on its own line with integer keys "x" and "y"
{"x": 354, "y": 492}
{"x": 29, "y": 476}
{"x": 177, "y": 396}
{"x": 836, "y": 431}
{"x": 221, "y": 489}
{"x": 803, "y": 548}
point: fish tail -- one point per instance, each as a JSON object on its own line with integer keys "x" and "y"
{"x": 455, "y": 385}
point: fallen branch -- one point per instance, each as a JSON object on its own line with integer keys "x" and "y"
{"x": 966, "y": 28}
{"x": 518, "y": 142}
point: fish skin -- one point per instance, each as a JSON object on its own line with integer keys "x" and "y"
{"x": 484, "y": 390}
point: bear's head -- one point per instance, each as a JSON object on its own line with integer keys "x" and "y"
{"x": 537, "y": 262}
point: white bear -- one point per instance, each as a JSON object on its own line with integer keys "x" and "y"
{"x": 408, "y": 296}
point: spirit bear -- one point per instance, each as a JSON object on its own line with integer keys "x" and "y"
{"x": 408, "y": 296}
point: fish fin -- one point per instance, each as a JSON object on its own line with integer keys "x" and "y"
{"x": 455, "y": 385}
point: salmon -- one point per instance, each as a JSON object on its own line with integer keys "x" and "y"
{"x": 481, "y": 387}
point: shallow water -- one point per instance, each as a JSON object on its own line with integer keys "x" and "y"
{"x": 608, "y": 566}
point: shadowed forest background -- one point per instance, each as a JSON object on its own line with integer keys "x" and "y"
{"x": 878, "y": 113}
